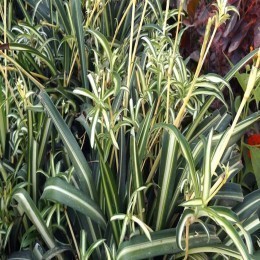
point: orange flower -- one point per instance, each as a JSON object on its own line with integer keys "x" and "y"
{"x": 253, "y": 140}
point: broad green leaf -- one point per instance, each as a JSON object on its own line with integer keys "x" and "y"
{"x": 167, "y": 172}
{"x": 163, "y": 243}
{"x": 255, "y": 160}
{"x": 76, "y": 156}
{"x": 62, "y": 192}
{"x": 27, "y": 206}
{"x": 256, "y": 93}
{"x": 230, "y": 191}
{"x": 218, "y": 249}
{"x": 249, "y": 205}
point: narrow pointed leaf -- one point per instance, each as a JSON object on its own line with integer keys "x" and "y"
{"x": 136, "y": 174}
{"x": 110, "y": 192}
{"x": 207, "y": 167}
{"x": 78, "y": 22}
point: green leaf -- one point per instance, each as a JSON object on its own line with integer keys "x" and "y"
{"x": 163, "y": 243}
{"x": 136, "y": 175}
{"x": 223, "y": 219}
{"x": 143, "y": 135}
{"x": 230, "y": 191}
{"x": 104, "y": 43}
{"x": 110, "y": 192}
{"x": 78, "y": 26}
{"x": 185, "y": 148}
{"x": 25, "y": 48}
{"x": 167, "y": 176}
{"x": 3, "y": 129}
{"x": 249, "y": 205}
{"x": 52, "y": 253}
{"x": 185, "y": 216}
{"x": 206, "y": 170}
{"x": 93, "y": 247}
{"x": 63, "y": 17}
{"x": 256, "y": 93}
{"x": 192, "y": 203}
{"x": 27, "y": 206}
{"x": 228, "y": 77}
{"x": 211, "y": 77}
{"x": 64, "y": 193}
{"x": 255, "y": 160}
{"x": 75, "y": 154}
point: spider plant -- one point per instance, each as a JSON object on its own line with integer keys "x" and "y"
{"x": 94, "y": 161}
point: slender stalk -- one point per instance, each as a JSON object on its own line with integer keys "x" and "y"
{"x": 20, "y": 68}
{"x": 121, "y": 22}
{"x": 250, "y": 86}
{"x": 169, "y": 72}
{"x": 203, "y": 54}
{"x": 72, "y": 233}
{"x": 166, "y": 16}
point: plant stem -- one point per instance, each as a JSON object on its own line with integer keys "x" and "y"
{"x": 72, "y": 233}
{"x": 204, "y": 51}
{"x": 250, "y": 86}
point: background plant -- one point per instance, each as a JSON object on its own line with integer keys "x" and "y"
{"x": 91, "y": 163}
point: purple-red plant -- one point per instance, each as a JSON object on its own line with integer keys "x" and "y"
{"x": 234, "y": 39}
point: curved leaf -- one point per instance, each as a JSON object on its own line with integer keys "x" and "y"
{"x": 164, "y": 243}
{"x": 27, "y": 206}
{"x": 75, "y": 154}
{"x": 62, "y": 192}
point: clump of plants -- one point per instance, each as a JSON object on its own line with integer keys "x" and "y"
{"x": 109, "y": 148}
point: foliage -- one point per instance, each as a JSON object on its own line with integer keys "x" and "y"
{"x": 108, "y": 146}
{"x": 234, "y": 38}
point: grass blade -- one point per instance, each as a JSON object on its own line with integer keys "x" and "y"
{"x": 110, "y": 192}
{"x": 78, "y": 22}
{"x": 137, "y": 175}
